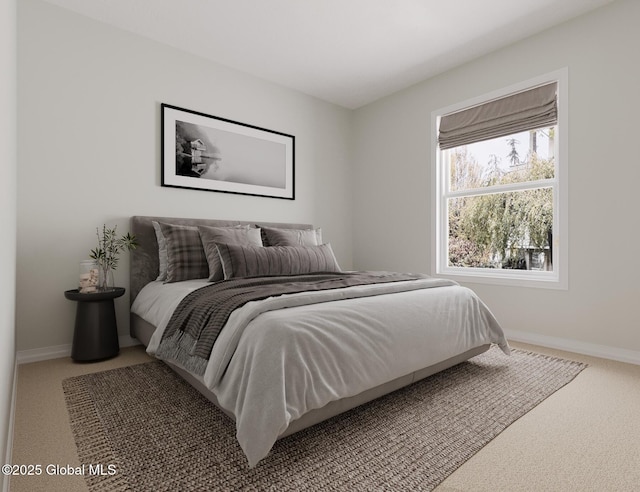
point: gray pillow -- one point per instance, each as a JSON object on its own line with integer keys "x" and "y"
{"x": 185, "y": 255}
{"x": 239, "y": 235}
{"x": 250, "y": 261}
{"x": 292, "y": 237}
{"x": 162, "y": 251}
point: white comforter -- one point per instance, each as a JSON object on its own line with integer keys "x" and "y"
{"x": 271, "y": 365}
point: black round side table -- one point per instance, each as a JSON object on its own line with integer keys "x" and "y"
{"x": 95, "y": 335}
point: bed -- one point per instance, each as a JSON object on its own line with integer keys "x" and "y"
{"x": 317, "y": 342}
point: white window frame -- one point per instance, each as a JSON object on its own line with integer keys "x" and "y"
{"x": 558, "y": 279}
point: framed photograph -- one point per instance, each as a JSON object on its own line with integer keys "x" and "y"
{"x": 204, "y": 152}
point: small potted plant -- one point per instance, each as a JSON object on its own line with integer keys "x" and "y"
{"x": 107, "y": 253}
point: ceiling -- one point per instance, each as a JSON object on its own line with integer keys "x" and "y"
{"x": 348, "y": 52}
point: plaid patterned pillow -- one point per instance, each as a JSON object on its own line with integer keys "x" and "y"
{"x": 185, "y": 255}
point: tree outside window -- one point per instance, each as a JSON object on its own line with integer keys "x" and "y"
{"x": 500, "y": 203}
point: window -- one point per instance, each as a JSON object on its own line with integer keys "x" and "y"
{"x": 499, "y": 186}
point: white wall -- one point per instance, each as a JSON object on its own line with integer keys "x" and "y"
{"x": 8, "y": 160}
{"x": 89, "y": 139}
{"x": 89, "y": 153}
{"x": 392, "y": 163}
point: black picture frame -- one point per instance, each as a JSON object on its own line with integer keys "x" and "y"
{"x": 204, "y": 152}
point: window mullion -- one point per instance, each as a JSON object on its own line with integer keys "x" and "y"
{"x": 502, "y": 188}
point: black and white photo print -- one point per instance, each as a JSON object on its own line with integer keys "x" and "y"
{"x": 205, "y": 152}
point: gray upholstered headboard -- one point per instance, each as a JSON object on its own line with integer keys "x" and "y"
{"x": 144, "y": 259}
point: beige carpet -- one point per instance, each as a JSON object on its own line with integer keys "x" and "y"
{"x": 157, "y": 433}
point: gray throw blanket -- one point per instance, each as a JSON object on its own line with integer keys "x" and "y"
{"x": 197, "y": 321}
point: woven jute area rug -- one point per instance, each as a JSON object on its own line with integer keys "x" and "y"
{"x": 152, "y": 431}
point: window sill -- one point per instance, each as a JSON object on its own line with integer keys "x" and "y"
{"x": 510, "y": 278}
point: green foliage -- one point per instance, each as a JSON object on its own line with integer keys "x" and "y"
{"x": 491, "y": 230}
{"x": 109, "y": 247}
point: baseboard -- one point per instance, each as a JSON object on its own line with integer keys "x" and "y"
{"x": 578, "y": 347}
{"x": 59, "y": 351}
{"x": 8, "y": 457}
{"x": 584, "y": 348}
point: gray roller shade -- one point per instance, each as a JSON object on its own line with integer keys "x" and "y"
{"x": 527, "y": 110}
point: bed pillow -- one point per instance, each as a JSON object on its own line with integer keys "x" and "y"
{"x": 292, "y": 237}
{"x": 241, "y": 235}
{"x": 250, "y": 261}
{"x": 185, "y": 255}
{"x": 162, "y": 251}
